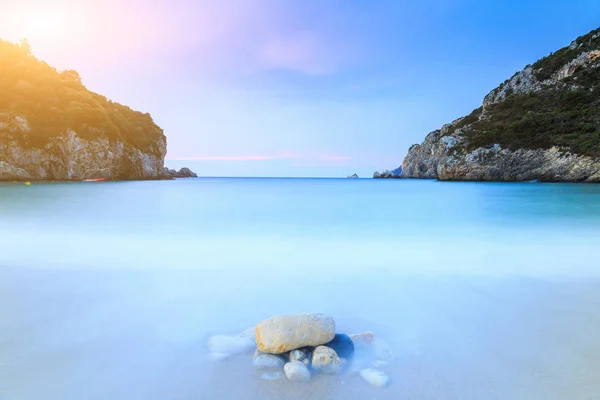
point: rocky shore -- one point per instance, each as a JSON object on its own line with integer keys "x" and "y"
{"x": 298, "y": 346}
{"x": 73, "y": 158}
{"x": 182, "y": 173}
{"x": 394, "y": 174}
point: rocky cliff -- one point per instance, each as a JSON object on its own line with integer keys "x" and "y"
{"x": 70, "y": 157}
{"x": 541, "y": 124}
{"x": 53, "y": 128}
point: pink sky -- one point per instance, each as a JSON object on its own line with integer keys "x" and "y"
{"x": 329, "y": 158}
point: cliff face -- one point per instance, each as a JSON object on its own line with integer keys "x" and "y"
{"x": 436, "y": 158}
{"x": 69, "y": 157}
{"x": 53, "y": 128}
{"x": 541, "y": 124}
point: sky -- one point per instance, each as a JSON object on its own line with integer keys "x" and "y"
{"x": 322, "y": 88}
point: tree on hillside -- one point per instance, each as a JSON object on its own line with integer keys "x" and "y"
{"x": 24, "y": 44}
{"x": 70, "y": 75}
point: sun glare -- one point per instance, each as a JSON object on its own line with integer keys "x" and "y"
{"x": 45, "y": 25}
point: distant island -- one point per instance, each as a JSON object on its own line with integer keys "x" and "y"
{"x": 53, "y": 128}
{"x": 541, "y": 124}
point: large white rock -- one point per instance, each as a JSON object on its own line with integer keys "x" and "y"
{"x": 326, "y": 361}
{"x": 296, "y": 371}
{"x": 374, "y": 377}
{"x": 289, "y": 332}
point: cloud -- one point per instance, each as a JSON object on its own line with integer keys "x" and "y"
{"x": 335, "y": 157}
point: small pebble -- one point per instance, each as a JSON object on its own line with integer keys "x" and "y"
{"x": 374, "y": 377}
{"x": 326, "y": 361}
{"x": 296, "y": 371}
{"x": 302, "y": 355}
{"x": 265, "y": 360}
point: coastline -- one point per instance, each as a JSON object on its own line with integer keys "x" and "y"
{"x": 416, "y": 178}
{"x": 167, "y": 175}
{"x": 100, "y": 181}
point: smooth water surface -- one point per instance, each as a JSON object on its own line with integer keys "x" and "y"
{"x": 483, "y": 290}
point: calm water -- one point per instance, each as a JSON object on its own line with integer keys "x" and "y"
{"x": 483, "y": 290}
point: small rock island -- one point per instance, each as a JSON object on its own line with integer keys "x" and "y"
{"x": 182, "y": 173}
{"x": 296, "y": 346}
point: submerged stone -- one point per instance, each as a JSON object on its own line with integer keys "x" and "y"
{"x": 302, "y": 355}
{"x": 343, "y": 345}
{"x": 363, "y": 337}
{"x": 289, "y": 332}
{"x": 264, "y": 360}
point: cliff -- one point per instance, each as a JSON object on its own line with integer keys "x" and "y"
{"x": 541, "y": 124}
{"x": 53, "y": 128}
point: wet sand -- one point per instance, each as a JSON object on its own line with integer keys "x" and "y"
{"x": 134, "y": 334}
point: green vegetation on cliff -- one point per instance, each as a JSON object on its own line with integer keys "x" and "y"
{"x": 550, "y": 109}
{"x": 569, "y": 119}
{"x": 53, "y": 102}
{"x": 545, "y": 67}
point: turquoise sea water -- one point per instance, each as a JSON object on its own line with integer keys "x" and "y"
{"x": 484, "y": 290}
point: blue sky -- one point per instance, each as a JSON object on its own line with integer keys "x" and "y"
{"x": 295, "y": 88}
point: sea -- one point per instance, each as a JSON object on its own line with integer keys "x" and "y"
{"x": 112, "y": 290}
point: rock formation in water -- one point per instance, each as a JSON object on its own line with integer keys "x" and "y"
{"x": 305, "y": 344}
{"x": 541, "y": 124}
{"x": 182, "y": 173}
{"x": 395, "y": 173}
{"x": 53, "y": 128}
